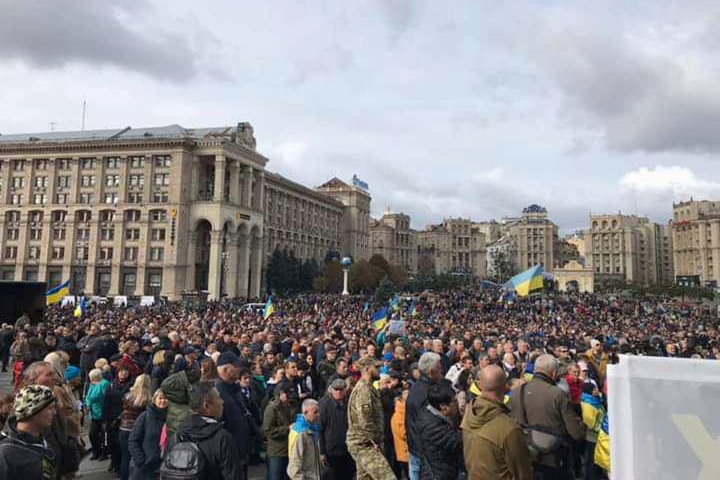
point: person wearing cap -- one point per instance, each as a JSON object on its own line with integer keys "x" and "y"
{"x": 326, "y": 367}
{"x": 366, "y": 431}
{"x": 597, "y": 361}
{"x": 176, "y": 388}
{"x": 334, "y": 454}
{"x": 278, "y": 417}
{"x": 236, "y": 416}
{"x": 24, "y": 453}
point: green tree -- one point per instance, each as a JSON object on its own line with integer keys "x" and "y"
{"x": 384, "y": 291}
{"x": 331, "y": 280}
{"x": 362, "y": 277}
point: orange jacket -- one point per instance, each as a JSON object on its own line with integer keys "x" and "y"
{"x": 397, "y": 424}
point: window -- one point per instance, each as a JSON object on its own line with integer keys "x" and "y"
{"x": 160, "y": 197}
{"x": 61, "y": 198}
{"x": 162, "y": 179}
{"x": 81, "y": 253}
{"x": 162, "y": 161}
{"x": 13, "y": 216}
{"x": 158, "y": 215}
{"x": 34, "y": 252}
{"x": 63, "y": 163}
{"x": 112, "y": 180}
{"x": 31, "y": 275}
{"x": 87, "y": 198}
{"x": 41, "y": 182}
{"x": 13, "y": 233}
{"x": 35, "y": 233}
{"x": 137, "y": 180}
{"x": 59, "y": 216}
{"x": 132, "y": 234}
{"x": 135, "y": 197}
{"x": 107, "y": 216}
{"x": 41, "y": 164}
{"x": 157, "y": 253}
{"x": 87, "y": 163}
{"x": 137, "y": 162}
{"x": 58, "y": 234}
{"x": 107, "y": 233}
{"x": 83, "y": 234}
{"x": 129, "y": 280}
{"x": 132, "y": 215}
{"x": 18, "y": 182}
{"x": 16, "y": 199}
{"x": 58, "y": 253}
{"x": 157, "y": 234}
{"x": 154, "y": 283}
{"x": 63, "y": 181}
{"x": 11, "y": 253}
{"x": 18, "y": 165}
{"x": 87, "y": 180}
{"x": 106, "y": 253}
{"x": 39, "y": 199}
{"x": 111, "y": 163}
{"x": 130, "y": 254}
{"x": 111, "y": 198}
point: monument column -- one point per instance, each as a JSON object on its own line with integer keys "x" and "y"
{"x": 215, "y": 267}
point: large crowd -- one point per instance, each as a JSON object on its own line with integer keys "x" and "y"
{"x": 462, "y": 384}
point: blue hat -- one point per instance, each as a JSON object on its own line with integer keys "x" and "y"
{"x": 71, "y": 372}
{"x": 228, "y": 358}
{"x": 388, "y": 357}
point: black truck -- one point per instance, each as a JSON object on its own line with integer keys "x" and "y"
{"x": 17, "y": 298}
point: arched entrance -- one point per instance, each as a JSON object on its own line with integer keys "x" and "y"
{"x": 572, "y": 286}
{"x": 202, "y": 255}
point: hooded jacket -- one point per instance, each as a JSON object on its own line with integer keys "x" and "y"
{"x": 176, "y": 389}
{"x": 494, "y": 445}
{"x": 416, "y": 402}
{"x": 215, "y": 443}
{"x": 276, "y": 422}
{"x": 25, "y": 456}
{"x": 440, "y": 445}
{"x": 397, "y": 424}
{"x": 144, "y": 439}
{"x": 236, "y": 417}
{"x": 304, "y": 450}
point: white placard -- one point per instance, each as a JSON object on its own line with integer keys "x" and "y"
{"x": 147, "y": 301}
{"x": 68, "y": 300}
{"x": 397, "y": 327}
{"x": 663, "y": 418}
{"x": 120, "y": 301}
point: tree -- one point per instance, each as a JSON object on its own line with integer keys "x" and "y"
{"x": 362, "y": 277}
{"x": 398, "y": 275}
{"x": 384, "y": 291}
{"x": 331, "y": 280}
{"x": 503, "y": 266}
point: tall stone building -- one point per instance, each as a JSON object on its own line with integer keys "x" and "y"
{"x": 392, "y": 237}
{"x": 454, "y": 246}
{"x": 300, "y": 219}
{"x": 356, "y": 219}
{"x": 696, "y": 241}
{"x": 629, "y": 248}
{"x": 134, "y": 211}
{"x": 535, "y": 238}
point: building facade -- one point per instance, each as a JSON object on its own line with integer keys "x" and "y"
{"x": 355, "y": 231}
{"x": 454, "y": 246}
{"x": 501, "y": 259}
{"x": 696, "y": 241}
{"x": 392, "y": 237}
{"x": 630, "y": 249}
{"x": 535, "y": 237}
{"x": 300, "y": 219}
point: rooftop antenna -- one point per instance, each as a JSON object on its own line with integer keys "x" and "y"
{"x": 52, "y": 126}
{"x": 83, "y": 115}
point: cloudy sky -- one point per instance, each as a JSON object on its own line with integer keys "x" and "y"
{"x": 464, "y": 108}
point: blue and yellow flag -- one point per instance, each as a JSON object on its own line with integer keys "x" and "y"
{"x": 412, "y": 309}
{"x": 269, "y": 308}
{"x": 527, "y": 281}
{"x": 380, "y": 318}
{"x": 56, "y": 294}
{"x": 80, "y": 309}
{"x": 394, "y": 303}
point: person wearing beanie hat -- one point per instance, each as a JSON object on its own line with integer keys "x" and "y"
{"x": 23, "y": 449}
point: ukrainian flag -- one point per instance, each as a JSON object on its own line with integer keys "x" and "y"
{"x": 379, "y": 318}
{"x": 80, "y": 309}
{"x": 394, "y": 303}
{"x": 412, "y": 309}
{"x": 527, "y": 281}
{"x": 269, "y": 308}
{"x": 56, "y": 294}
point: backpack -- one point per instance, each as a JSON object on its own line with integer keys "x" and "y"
{"x": 183, "y": 461}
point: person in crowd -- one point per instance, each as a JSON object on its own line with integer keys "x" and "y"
{"x": 176, "y": 388}
{"x": 89, "y": 347}
{"x": 143, "y": 441}
{"x": 334, "y": 454}
{"x": 160, "y": 369}
{"x": 440, "y": 441}
{"x": 597, "y": 361}
{"x": 204, "y": 428}
{"x": 399, "y": 436}
{"x": 326, "y": 367}
{"x": 94, "y": 402}
{"x": 304, "y": 444}
{"x": 430, "y": 366}
{"x": 134, "y": 403}
{"x": 24, "y": 451}
{"x": 366, "y": 432}
{"x": 541, "y": 403}
{"x": 278, "y": 417}
{"x": 7, "y": 337}
{"x": 112, "y": 413}
{"x": 593, "y": 415}
{"x": 494, "y": 446}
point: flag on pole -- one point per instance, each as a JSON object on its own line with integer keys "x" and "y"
{"x": 269, "y": 308}
{"x": 80, "y": 309}
{"x": 394, "y": 302}
{"x": 527, "y": 281}
{"x": 380, "y": 318}
{"x": 56, "y": 294}
{"x": 412, "y": 309}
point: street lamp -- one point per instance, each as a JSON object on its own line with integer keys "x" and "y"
{"x": 345, "y": 264}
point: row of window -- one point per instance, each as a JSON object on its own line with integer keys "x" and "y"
{"x": 82, "y": 253}
{"x": 88, "y": 198}
{"x": 89, "y": 163}
{"x": 106, "y": 234}
{"x": 13, "y": 216}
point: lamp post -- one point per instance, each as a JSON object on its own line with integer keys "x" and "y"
{"x": 345, "y": 264}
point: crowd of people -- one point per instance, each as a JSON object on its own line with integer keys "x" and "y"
{"x": 462, "y": 384}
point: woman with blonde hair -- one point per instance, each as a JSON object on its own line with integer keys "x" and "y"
{"x": 134, "y": 403}
{"x": 144, "y": 440}
{"x": 160, "y": 369}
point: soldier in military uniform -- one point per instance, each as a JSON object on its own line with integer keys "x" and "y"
{"x": 366, "y": 432}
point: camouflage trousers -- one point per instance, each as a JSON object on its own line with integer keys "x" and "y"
{"x": 371, "y": 464}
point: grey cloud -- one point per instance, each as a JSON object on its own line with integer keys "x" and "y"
{"x": 58, "y": 33}
{"x": 328, "y": 60}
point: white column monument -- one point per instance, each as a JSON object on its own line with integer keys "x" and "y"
{"x": 345, "y": 264}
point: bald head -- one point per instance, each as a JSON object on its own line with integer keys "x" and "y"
{"x": 491, "y": 379}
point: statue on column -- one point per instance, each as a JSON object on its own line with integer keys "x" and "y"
{"x": 245, "y": 135}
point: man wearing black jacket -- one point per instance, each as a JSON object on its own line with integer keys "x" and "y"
{"x": 430, "y": 366}
{"x": 334, "y": 454}
{"x": 235, "y": 415}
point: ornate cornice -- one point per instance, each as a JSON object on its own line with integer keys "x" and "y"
{"x": 44, "y": 148}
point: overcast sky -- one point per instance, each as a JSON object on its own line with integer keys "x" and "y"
{"x": 473, "y": 109}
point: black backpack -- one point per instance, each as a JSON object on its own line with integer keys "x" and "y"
{"x": 183, "y": 461}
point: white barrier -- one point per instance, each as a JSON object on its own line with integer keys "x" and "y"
{"x": 664, "y": 419}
